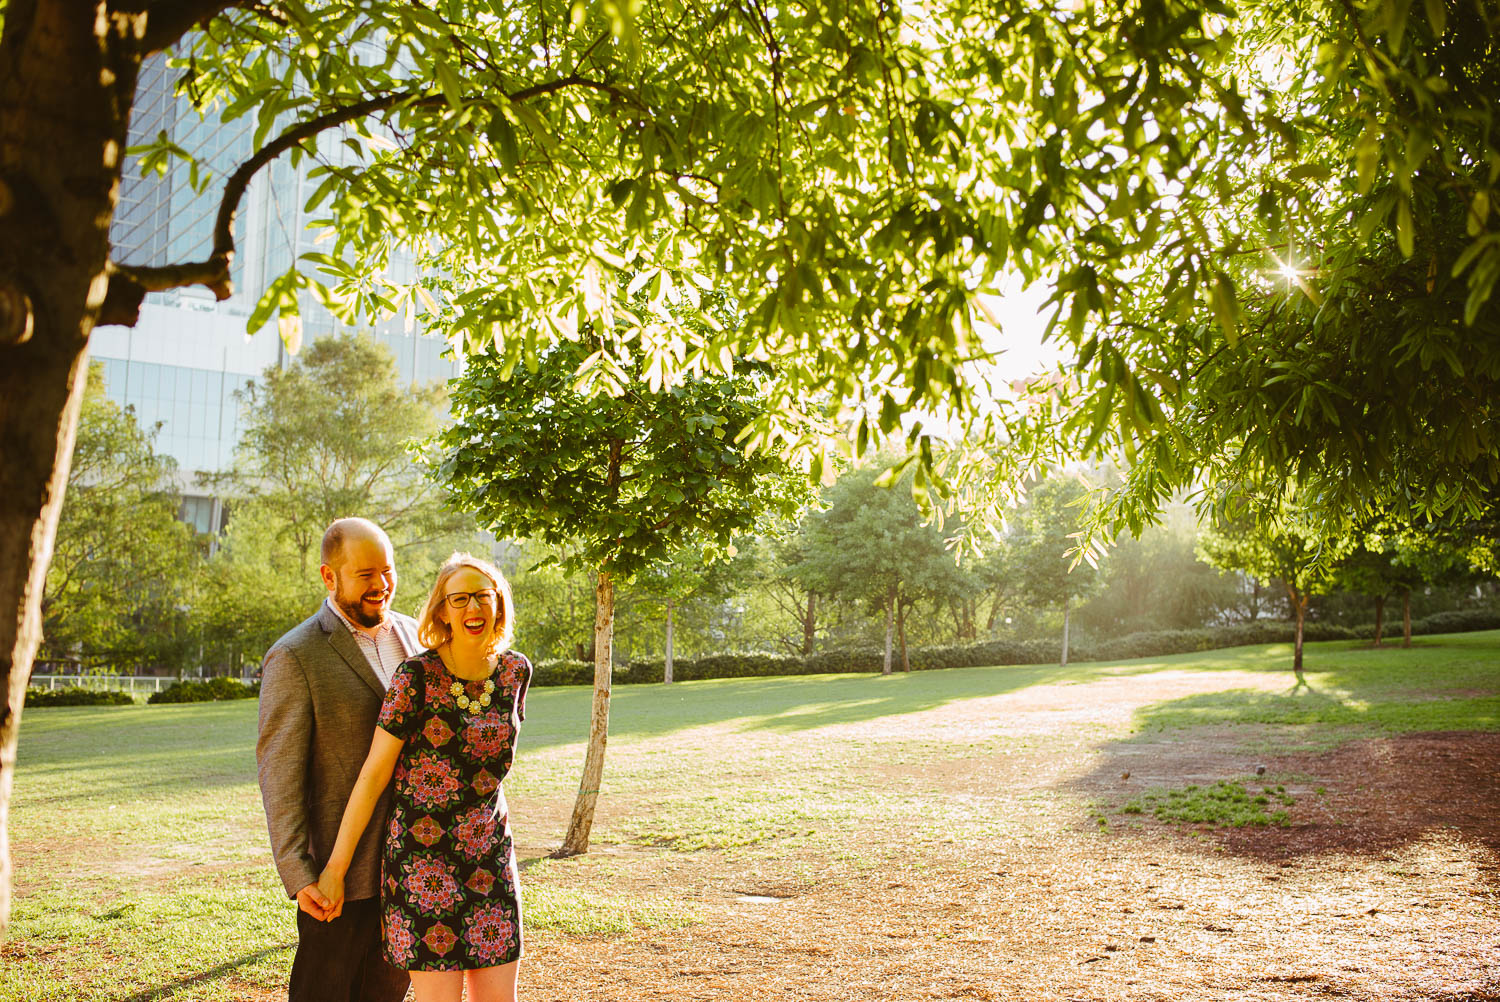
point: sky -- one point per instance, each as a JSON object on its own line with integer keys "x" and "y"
{"x": 1025, "y": 353}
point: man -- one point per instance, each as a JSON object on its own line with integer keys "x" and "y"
{"x": 321, "y": 691}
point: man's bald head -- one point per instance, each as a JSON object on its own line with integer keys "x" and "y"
{"x": 359, "y": 570}
{"x": 344, "y": 531}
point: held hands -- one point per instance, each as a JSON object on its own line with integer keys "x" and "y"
{"x": 330, "y": 887}
{"x": 313, "y": 901}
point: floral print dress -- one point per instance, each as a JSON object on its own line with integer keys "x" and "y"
{"x": 450, "y": 900}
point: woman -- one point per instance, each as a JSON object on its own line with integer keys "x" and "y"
{"x": 450, "y": 908}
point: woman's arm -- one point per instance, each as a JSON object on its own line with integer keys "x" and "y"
{"x": 374, "y": 776}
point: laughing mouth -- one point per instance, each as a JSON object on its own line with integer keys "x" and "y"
{"x": 474, "y": 625}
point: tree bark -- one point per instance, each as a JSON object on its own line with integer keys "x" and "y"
{"x": 1065, "y": 633}
{"x": 577, "y": 840}
{"x": 67, "y": 80}
{"x": 901, "y": 633}
{"x": 1406, "y": 618}
{"x": 666, "y": 671}
{"x": 890, "y": 617}
{"x": 1379, "y": 618}
{"x": 810, "y": 624}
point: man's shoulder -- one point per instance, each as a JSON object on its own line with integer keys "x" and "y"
{"x": 300, "y": 636}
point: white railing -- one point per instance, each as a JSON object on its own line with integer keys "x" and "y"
{"x": 125, "y": 683}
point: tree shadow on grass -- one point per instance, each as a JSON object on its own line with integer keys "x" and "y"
{"x": 202, "y": 977}
{"x": 1370, "y": 775}
{"x": 797, "y": 703}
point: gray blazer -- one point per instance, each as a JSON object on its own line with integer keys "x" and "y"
{"x": 319, "y": 700}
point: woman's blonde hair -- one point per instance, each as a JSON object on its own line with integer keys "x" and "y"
{"x": 434, "y": 632}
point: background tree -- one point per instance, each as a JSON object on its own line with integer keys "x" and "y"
{"x": 782, "y": 571}
{"x": 331, "y": 435}
{"x": 694, "y": 576}
{"x": 1156, "y": 582}
{"x": 554, "y": 603}
{"x": 124, "y": 567}
{"x": 623, "y": 482}
{"x": 253, "y": 589}
{"x": 873, "y": 544}
{"x": 1042, "y": 541}
{"x": 1422, "y": 558}
{"x": 1371, "y": 569}
{"x": 1275, "y": 541}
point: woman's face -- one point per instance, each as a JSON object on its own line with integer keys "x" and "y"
{"x": 470, "y": 606}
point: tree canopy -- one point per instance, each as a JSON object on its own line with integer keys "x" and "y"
{"x": 858, "y": 178}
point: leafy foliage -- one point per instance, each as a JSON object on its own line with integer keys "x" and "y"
{"x": 122, "y": 565}
{"x": 328, "y": 436}
{"x": 617, "y": 483}
{"x": 204, "y": 692}
{"x": 858, "y": 178}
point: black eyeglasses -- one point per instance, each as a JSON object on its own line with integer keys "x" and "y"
{"x": 460, "y": 599}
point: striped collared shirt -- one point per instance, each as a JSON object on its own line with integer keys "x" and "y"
{"x": 384, "y": 651}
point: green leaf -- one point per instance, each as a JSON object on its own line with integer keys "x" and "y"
{"x": 448, "y": 80}
{"x": 1227, "y": 307}
{"x": 1405, "y": 227}
{"x": 1437, "y": 16}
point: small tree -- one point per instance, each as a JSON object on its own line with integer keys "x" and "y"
{"x": 1041, "y": 542}
{"x": 622, "y": 481}
{"x": 873, "y": 544}
{"x": 1276, "y": 541}
{"x": 1422, "y": 558}
{"x": 695, "y": 578}
{"x": 1372, "y": 568}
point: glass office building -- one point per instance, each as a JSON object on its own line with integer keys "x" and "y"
{"x": 180, "y": 366}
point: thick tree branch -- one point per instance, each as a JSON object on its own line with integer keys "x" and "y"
{"x": 168, "y": 20}
{"x": 128, "y": 284}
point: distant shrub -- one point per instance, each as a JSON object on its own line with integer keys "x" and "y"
{"x": 1456, "y": 621}
{"x": 73, "y": 696}
{"x": 205, "y": 692}
{"x": 563, "y": 671}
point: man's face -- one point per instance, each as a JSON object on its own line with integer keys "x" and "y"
{"x": 364, "y": 581}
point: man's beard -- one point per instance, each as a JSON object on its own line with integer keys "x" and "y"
{"x": 356, "y": 613}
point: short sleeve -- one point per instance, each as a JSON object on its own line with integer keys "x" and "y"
{"x": 398, "y": 715}
{"x": 519, "y": 676}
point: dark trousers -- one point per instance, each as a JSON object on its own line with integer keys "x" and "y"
{"x": 341, "y": 961}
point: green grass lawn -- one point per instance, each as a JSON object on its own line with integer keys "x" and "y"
{"x": 142, "y": 869}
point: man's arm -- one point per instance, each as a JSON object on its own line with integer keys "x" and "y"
{"x": 282, "y": 754}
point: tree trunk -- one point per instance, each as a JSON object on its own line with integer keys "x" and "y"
{"x": 901, "y": 633}
{"x": 1299, "y": 606}
{"x": 890, "y": 618}
{"x": 1379, "y": 618}
{"x": 577, "y": 840}
{"x": 1065, "y": 633}
{"x": 994, "y": 617}
{"x": 1406, "y": 618}
{"x": 810, "y": 624}
{"x": 67, "y": 79}
{"x": 666, "y": 671}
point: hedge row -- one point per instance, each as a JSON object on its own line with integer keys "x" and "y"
{"x": 205, "y": 692}
{"x": 1155, "y": 643}
{"x": 74, "y": 696}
